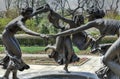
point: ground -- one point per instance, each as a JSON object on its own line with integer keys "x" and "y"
{"x": 43, "y": 59}
{"x": 50, "y": 61}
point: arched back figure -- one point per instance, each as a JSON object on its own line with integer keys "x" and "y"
{"x": 106, "y": 27}
{"x": 63, "y": 45}
{"x": 11, "y": 44}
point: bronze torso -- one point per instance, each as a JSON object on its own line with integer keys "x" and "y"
{"x": 13, "y": 27}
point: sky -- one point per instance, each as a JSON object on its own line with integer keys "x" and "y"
{"x": 2, "y": 5}
{"x": 72, "y": 2}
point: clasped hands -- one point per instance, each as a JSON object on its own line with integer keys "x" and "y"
{"x": 47, "y": 36}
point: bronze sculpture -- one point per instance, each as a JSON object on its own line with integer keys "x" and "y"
{"x": 63, "y": 45}
{"x": 63, "y": 52}
{"x": 14, "y": 55}
{"x": 106, "y": 27}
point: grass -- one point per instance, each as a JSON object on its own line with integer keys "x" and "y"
{"x": 2, "y": 49}
{"x": 32, "y": 49}
{"x": 87, "y": 51}
{"x": 45, "y": 60}
{"x": 27, "y": 49}
{"x": 40, "y": 49}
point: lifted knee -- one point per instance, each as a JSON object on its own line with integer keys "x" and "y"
{"x": 105, "y": 61}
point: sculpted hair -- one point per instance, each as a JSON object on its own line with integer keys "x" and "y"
{"x": 96, "y": 12}
{"x": 25, "y": 10}
{"x": 78, "y": 17}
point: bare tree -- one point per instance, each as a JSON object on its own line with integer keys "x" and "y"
{"x": 59, "y": 4}
{"x": 113, "y": 5}
{"x": 101, "y": 3}
{"x": 7, "y": 4}
{"x": 18, "y": 5}
{"x": 84, "y": 4}
{"x": 80, "y": 5}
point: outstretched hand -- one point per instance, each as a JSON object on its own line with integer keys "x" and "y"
{"x": 45, "y": 8}
{"x": 45, "y": 36}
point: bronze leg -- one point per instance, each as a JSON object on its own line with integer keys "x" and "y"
{"x": 69, "y": 48}
{"x": 110, "y": 55}
{"x": 9, "y": 69}
{"x": 15, "y": 74}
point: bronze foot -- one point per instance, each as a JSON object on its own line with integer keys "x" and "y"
{"x": 66, "y": 69}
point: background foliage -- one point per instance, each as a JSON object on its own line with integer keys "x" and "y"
{"x": 41, "y": 24}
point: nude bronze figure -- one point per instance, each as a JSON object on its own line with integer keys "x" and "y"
{"x": 63, "y": 47}
{"x": 106, "y": 27}
{"x": 14, "y": 55}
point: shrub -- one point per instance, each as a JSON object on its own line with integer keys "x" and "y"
{"x": 109, "y": 39}
{"x": 3, "y": 23}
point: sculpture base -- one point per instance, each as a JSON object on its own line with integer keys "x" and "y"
{"x": 59, "y": 75}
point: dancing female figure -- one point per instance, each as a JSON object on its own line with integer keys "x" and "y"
{"x": 11, "y": 44}
{"x": 63, "y": 46}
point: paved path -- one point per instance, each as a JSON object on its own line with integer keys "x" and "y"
{"x": 91, "y": 66}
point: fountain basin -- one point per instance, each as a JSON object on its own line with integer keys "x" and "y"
{"x": 59, "y": 75}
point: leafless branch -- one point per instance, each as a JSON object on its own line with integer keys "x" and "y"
{"x": 7, "y": 4}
